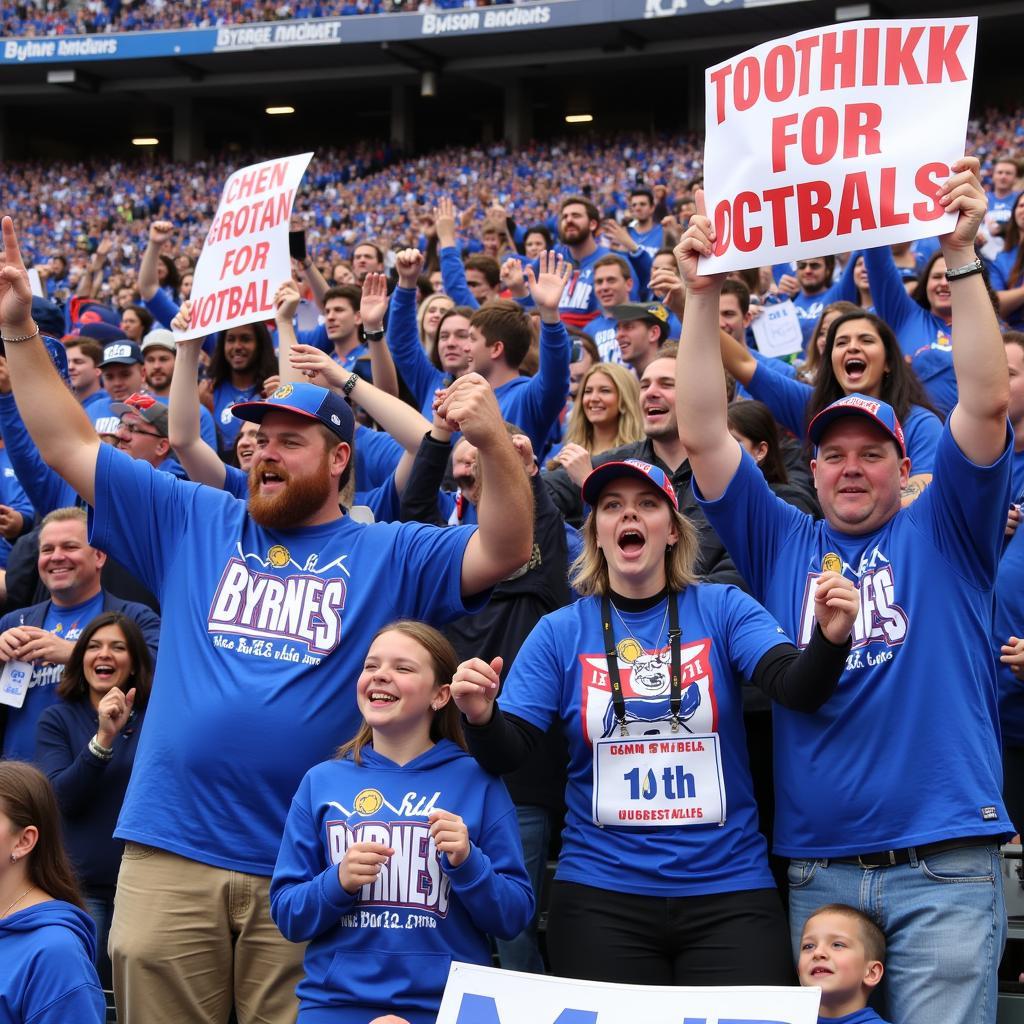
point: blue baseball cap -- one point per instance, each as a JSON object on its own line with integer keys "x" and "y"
{"x": 123, "y": 351}
{"x": 608, "y": 471}
{"x": 880, "y": 413}
{"x": 307, "y": 400}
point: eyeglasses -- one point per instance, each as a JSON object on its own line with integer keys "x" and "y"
{"x": 131, "y": 428}
{"x": 809, "y": 265}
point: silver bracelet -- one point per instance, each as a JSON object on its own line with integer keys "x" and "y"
{"x": 965, "y": 271}
{"x": 24, "y": 337}
{"x": 98, "y": 750}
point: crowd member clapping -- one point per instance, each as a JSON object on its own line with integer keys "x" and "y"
{"x": 86, "y": 746}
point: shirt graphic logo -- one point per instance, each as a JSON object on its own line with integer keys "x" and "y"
{"x": 646, "y": 691}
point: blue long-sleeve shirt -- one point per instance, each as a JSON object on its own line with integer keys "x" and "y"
{"x": 924, "y": 337}
{"x": 534, "y": 403}
{"x": 45, "y": 489}
{"x": 421, "y": 376}
{"x": 89, "y": 790}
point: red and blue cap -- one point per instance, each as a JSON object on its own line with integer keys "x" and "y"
{"x": 608, "y": 471}
{"x": 880, "y": 413}
{"x": 307, "y": 400}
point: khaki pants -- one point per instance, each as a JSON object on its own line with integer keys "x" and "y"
{"x": 189, "y": 940}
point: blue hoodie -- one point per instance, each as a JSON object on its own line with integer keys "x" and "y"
{"x": 46, "y": 971}
{"x": 388, "y": 948}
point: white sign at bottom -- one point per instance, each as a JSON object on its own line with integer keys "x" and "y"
{"x": 484, "y": 995}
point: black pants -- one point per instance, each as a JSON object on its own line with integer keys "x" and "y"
{"x": 1013, "y": 784}
{"x": 732, "y": 938}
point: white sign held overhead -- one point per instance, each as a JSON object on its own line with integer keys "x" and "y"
{"x": 245, "y": 254}
{"x": 835, "y": 139}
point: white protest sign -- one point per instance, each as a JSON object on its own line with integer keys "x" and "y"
{"x": 245, "y": 254}
{"x": 35, "y": 282}
{"x": 835, "y": 139}
{"x": 777, "y": 329}
{"x": 14, "y": 682}
{"x": 484, "y": 995}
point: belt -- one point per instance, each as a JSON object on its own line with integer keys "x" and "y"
{"x": 892, "y": 858}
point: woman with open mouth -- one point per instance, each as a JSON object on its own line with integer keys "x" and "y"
{"x": 663, "y": 876}
{"x": 86, "y": 745}
{"x": 861, "y": 357}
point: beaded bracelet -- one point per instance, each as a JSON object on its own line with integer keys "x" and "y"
{"x": 24, "y": 337}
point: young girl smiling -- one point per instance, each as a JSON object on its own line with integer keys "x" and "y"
{"x": 376, "y": 869}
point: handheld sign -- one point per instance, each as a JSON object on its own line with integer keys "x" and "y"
{"x": 484, "y": 995}
{"x": 14, "y": 682}
{"x": 777, "y": 330}
{"x": 835, "y": 139}
{"x": 245, "y": 255}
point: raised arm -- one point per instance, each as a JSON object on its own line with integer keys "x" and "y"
{"x": 452, "y": 270}
{"x": 55, "y": 420}
{"x": 199, "y": 460}
{"x": 701, "y": 401}
{"x": 398, "y": 418}
{"x": 373, "y": 308}
{"x": 159, "y": 232}
{"x": 504, "y": 539}
{"x": 286, "y": 303}
{"x": 978, "y": 421}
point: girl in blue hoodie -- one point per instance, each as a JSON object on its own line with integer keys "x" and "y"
{"x": 401, "y": 854}
{"x": 47, "y": 941}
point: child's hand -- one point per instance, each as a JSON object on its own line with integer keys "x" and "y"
{"x": 361, "y": 865}
{"x": 450, "y": 836}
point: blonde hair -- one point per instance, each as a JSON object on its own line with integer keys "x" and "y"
{"x": 429, "y": 344}
{"x": 629, "y": 426}
{"x": 588, "y": 574}
{"x": 447, "y": 721}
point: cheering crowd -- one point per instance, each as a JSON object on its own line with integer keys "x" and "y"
{"x": 506, "y": 489}
{"x": 50, "y": 18}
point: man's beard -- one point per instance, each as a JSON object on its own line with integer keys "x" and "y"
{"x": 574, "y": 235}
{"x": 300, "y": 498}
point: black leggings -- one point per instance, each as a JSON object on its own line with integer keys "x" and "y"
{"x": 730, "y": 938}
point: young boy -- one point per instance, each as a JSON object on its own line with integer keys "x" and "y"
{"x": 842, "y": 952}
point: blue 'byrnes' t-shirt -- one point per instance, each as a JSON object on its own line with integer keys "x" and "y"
{"x": 561, "y": 672}
{"x": 787, "y": 399}
{"x": 266, "y": 633}
{"x": 67, "y": 623}
{"x": 398, "y": 936}
{"x": 906, "y": 752}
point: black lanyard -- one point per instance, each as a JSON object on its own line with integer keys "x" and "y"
{"x": 674, "y": 633}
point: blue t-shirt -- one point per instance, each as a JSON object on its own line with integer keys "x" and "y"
{"x": 67, "y": 623}
{"x": 398, "y": 936}
{"x": 225, "y": 395}
{"x": 561, "y": 673}
{"x": 810, "y": 307}
{"x": 207, "y": 428}
{"x": 377, "y": 454}
{"x": 265, "y": 634}
{"x": 865, "y": 1016}
{"x": 787, "y": 399}
{"x": 907, "y": 750}
{"x": 1001, "y": 210}
{"x": 103, "y": 419}
{"x": 1001, "y": 278}
{"x": 650, "y": 240}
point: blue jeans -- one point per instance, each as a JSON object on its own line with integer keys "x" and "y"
{"x": 101, "y": 910}
{"x": 944, "y": 921}
{"x": 522, "y": 953}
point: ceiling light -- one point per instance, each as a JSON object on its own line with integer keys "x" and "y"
{"x": 280, "y": 110}
{"x": 145, "y": 140}
{"x": 578, "y": 118}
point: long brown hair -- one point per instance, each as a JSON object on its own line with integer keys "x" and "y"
{"x": 27, "y": 798}
{"x": 447, "y": 721}
{"x": 1012, "y": 239}
{"x": 73, "y": 685}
